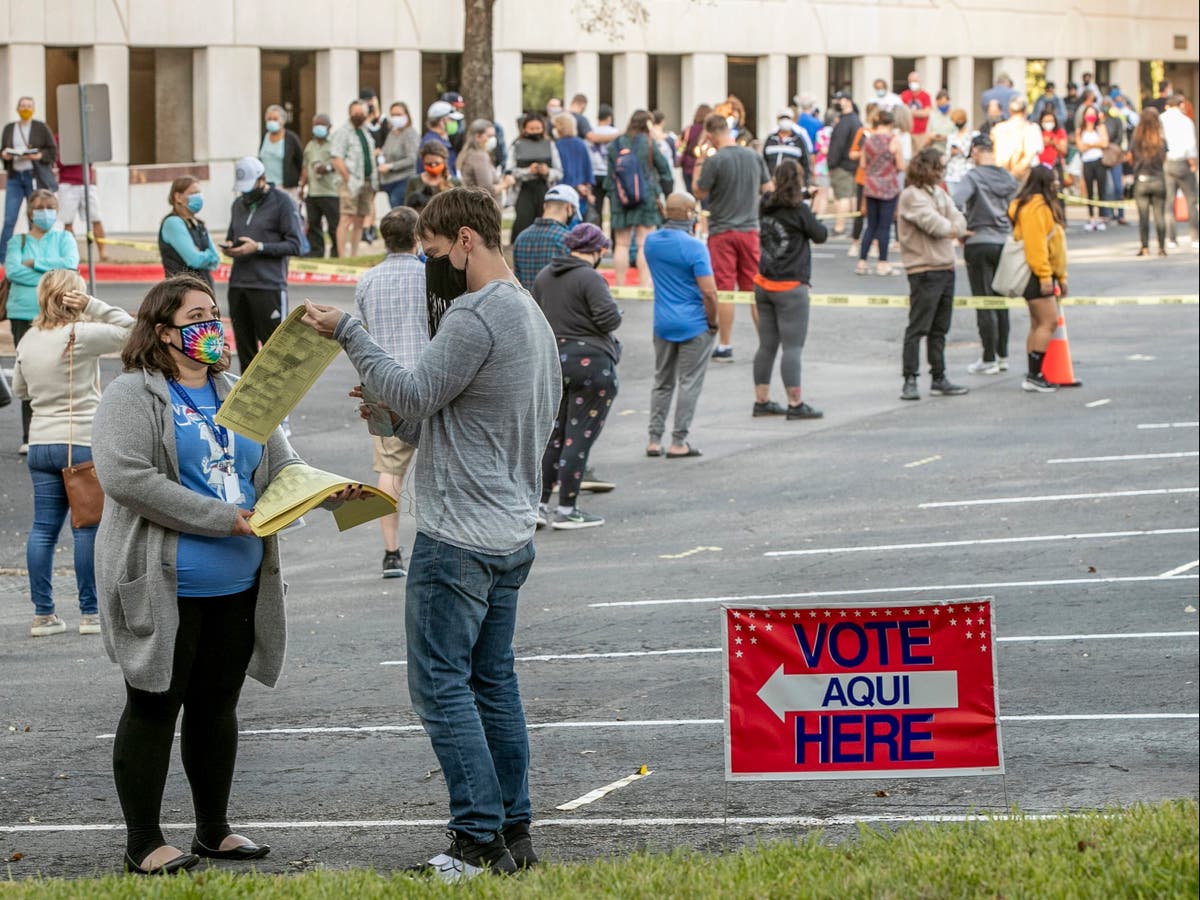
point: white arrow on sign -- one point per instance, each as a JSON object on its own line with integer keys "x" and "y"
{"x": 861, "y": 690}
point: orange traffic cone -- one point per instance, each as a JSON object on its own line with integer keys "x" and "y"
{"x": 1056, "y": 366}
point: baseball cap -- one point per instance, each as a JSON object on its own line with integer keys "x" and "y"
{"x": 246, "y": 171}
{"x": 563, "y": 193}
{"x": 841, "y": 95}
{"x": 454, "y": 98}
{"x": 785, "y": 113}
{"x": 586, "y": 238}
{"x": 982, "y": 142}
{"x": 439, "y": 109}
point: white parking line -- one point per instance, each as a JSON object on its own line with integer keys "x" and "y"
{"x": 1127, "y": 458}
{"x": 984, "y": 541}
{"x": 804, "y": 595}
{"x": 1033, "y": 638}
{"x": 593, "y": 796}
{"x": 1048, "y": 497}
{"x": 1179, "y": 570}
{"x": 1099, "y": 717}
{"x": 1170, "y": 425}
{"x": 1096, "y": 403}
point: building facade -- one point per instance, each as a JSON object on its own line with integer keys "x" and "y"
{"x": 189, "y": 81}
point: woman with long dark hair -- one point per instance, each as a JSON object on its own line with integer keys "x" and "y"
{"x": 1039, "y": 221}
{"x": 786, "y": 226}
{"x": 1090, "y": 140}
{"x": 694, "y": 145}
{"x": 634, "y": 222}
{"x": 1149, "y": 151}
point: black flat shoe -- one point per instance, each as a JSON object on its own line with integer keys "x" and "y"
{"x": 241, "y": 854}
{"x": 180, "y": 863}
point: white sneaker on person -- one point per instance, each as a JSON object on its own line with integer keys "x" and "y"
{"x": 23, "y": 450}
{"x": 44, "y": 626}
{"x": 1172, "y": 245}
{"x": 576, "y": 518}
{"x": 983, "y": 367}
{"x": 852, "y": 251}
{"x": 89, "y": 624}
{"x": 543, "y": 515}
{"x": 1002, "y": 363}
{"x": 1100, "y": 226}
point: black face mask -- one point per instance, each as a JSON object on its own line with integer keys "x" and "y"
{"x": 255, "y": 195}
{"x": 534, "y": 137}
{"x": 443, "y": 283}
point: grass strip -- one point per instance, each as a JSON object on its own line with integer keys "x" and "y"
{"x": 1143, "y": 851}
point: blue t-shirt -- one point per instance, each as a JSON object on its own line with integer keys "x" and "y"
{"x": 676, "y": 260}
{"x": 213, "y": 566}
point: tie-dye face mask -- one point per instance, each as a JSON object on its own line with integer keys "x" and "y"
{"x": 203, "y": 341}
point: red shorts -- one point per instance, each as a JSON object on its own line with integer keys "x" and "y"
{"x": 734, "y": 256}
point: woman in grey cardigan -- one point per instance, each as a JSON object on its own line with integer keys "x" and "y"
{"x": 190, "y": 599}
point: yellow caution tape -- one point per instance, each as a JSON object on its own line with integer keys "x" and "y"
{"x": 298, "y": 264}
{"x": 900, "y": 301}
{"x": 1105, "y": 204}
{"x": 136, "y": 245}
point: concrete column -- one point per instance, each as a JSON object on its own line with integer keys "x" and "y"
{"x": 109, "y": 64}
{"x": 631, "y": 84}
{"x": 225, "y": 131}
{"x": 400, "y": 79}
{"x": 506, "y": 90}
{"x": 1058, "y": 70}
{"x": 930, "y": 70}
{"x": 670, "y": 99}
{"x": 704, "y": 78}
{"x": 962, "y": 86}
{"x": 1126, "y": 74}
{"x": 812, "y": 78}
{"x": 772, "y": 91}
{"x": 581, "y": 75}
{"x": 173, "y": 105}
{"x": 22, "y": 74}
{"x": 866, "y": 70}
{"x": 337, "y": 84}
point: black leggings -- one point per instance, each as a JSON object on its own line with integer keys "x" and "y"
{"x": 1151, "y": 197}
{"x": 982, "y": 260}
{"x": 1095, "y": 182}
{"x": 589, "y": 386}
{"x": 212, "y": 650}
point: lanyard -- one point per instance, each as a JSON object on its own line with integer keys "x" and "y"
{"x": 218, "y": 432}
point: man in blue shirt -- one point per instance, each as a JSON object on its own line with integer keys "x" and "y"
{"x": 685, "y": 323}
{"x": 808, "y": 117}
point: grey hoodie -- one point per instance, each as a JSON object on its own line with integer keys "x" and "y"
{"x": 983, "y": 195}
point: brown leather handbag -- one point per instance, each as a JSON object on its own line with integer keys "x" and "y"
{"x": 84, "y": 495}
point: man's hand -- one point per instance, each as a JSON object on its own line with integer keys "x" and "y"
{"x": 352, "y": 492}
{"x": 5, "y": 155}
{"x": 241, "y": 527}
{"x": 76, "y": 301}
{"x": 244, "y": 247}
{"x": 321, "y": 319}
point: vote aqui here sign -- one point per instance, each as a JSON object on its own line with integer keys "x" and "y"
{"x": 865, "y": 691}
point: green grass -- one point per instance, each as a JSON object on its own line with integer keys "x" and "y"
{"x": 1145, "y": 851}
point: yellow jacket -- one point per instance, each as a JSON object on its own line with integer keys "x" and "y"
{"x": 1045, "y": 240}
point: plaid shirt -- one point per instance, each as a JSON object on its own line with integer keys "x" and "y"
{"x": 391, "y": 300}
{"x": 536, "y": 246}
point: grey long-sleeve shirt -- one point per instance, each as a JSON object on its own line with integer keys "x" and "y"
{"x": 480, "y": 402}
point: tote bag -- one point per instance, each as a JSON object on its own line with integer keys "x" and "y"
{"x": 1012, "y": 272}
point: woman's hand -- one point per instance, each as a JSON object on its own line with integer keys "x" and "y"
{"x": 350, "y": 492}
{"x": 1046, "y": 287}
{"x": 321, "y": 319}
{"x": 241, "y": 528}
{"x": 76, "y": 301}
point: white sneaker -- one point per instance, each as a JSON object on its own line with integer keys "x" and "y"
{"x": 44, "y": 626}
{"x": 1100, "y": 226}
{"x": 543, "y": 515}
{"x": 89, "y": 624}
{"x": 1002, "y": 363}
{"x": 982, "y": 367}
{"x": 852, "y": 251}
{"x": 1089, "y": 226}
{"x": 23, "y": 449}
{"x": 1172, "y": 245}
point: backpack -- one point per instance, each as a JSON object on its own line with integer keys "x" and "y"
{"x": 632, "y": 184}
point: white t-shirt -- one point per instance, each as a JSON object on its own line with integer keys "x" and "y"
{"x": 599, "y": 152}
{"x": 1089, "y": 140}
{"x": 20, "y": 143}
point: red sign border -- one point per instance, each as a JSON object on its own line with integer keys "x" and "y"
{"x": 730, "y": 775}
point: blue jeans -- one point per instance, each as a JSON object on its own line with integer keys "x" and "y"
{"x": 880, "y": 214}
{"x": 459, "y": 618}
{"x": 50, "y": 510}
{"x": 395, "y": 191}
{"x": 1116, "y": 191}
{"x": 20, "y": 186}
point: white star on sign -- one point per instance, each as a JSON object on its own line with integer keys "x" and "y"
{"x": 737, "y": 640}
{"x": 954, "y": 621}
{"x": 949, "y": 609}
{"x": 887, "y": 612}
{"x": 753, "y": 627}
{"x": 874, "y": 612}
{"x": 768, "y": 614}
{"x": 739, "y": 654}
{"x": 969, "y": 635}
{"x": 843, "y": 614}
{"x": 769, "y": 626}
{"x": 828, "y": 614}
{"x": 937, "y": 610}
{"x": 968, "y": 621}
{"x": 813, "y": 614}
{"x": 858, "y": 614}
{"x": 983, "y": 634}
{"x": 736, "y": 614}
{"x": 983, "y": 648}
{"x": 754, "y": 640}
{"x": 982, "y": 607}
{"x": 737, "y": 627}
{"x": 921, "y": 611}
{"x": 796, "y": 614}
{"x": 905, "y": 612}
{"x": 752, "y": 615}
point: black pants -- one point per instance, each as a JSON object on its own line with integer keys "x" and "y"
{"x": 318, "y": 208}
{"x": 19, "y": 327}
{"x": 589, "y": 386}
{"x": 930, "y": 311}
{"x": 530, "y": 197}
{"x": 982, "y": 260}
{"x": 1151, "y": 197}
{"x": 255, "y": 313}
{"x": 1180, "y": 177}
{"x": 212, "y": 649}
{"x": 1095, "y": 183}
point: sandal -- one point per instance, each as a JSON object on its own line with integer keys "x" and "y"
{"x": 861, "y": 268}
{"x": 658, "y": 451}
{"x": 691, "y": 451}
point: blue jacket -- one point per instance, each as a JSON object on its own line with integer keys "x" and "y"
{"x": 56, "y": 249}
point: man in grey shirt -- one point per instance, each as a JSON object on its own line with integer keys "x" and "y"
{"x": 480, "y": 402}
{"x": 731, "y": 180}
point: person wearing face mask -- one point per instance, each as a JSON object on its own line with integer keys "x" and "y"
{"x": 554, "y": 108}
{"x": 353, "y": 157}
{"x": 1091, "y": 141}
{"x": 264, "y": 230}
{"x": 191, "y": 601}
{"x": 920, "y": 105}
{"x": 940, "y": 126}
{"x": 535, "y": 167}
{"x": 580, "y": 308}
{"x": 958, "y": 149}
{"x": 1050, "y": 101}
{"x": 546, "y": 238}
{"x": 184, "y": 243}
{"x": 58, "y": 371}
{"x": 884, "y": 97}
{"x": 435, "y": 177}
{"x": 319, "y": 183}
{"x": 281, "y": 153}
{"x": 29, "y": 152}
{"x": 787, "y": 143}
{"x": 30, "y": 256}
{"x": 398, "y": 155}
{"x": 1054, "y": 142}
{"x": 475, "y": 165}
{"x": 440, "y": 120}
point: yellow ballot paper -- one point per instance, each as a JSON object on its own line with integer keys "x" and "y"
{"x": 299, "y": 489}
{"x": 285, "y": 368}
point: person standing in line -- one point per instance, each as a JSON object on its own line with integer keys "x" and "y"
{"x": 882, "y": 162}
{"x": 884, "y": 97}
{"x": 319, "y": 184}
{"x": 577, "y": 109}
{"x": 694, "y": 142}
{"x": 808, "y": 117}
{"x": 732, "y": 180}
{"x": 786, "y": 226}
{"x": 30, "y": 256}
{"x": 575, "y": 158}
{"x": 435, "y": 176}
{"x": 281, "y": 153}
{"x": 1054, "y": 143}
{"x": 535, "y": 167}
{"x": 1017, "y": 141}
{"x": 841, "y": 167}
{"x": 822, "y": 195}
{"x": 1000, "y": 94}
{"x": 599, "y": 136}
{"x": 787, "y": 143}
{"x": 928, "y": 227}
{"x": 71, "y": 204}
{"x": 685, "y": 324}
{"x": 1180, "y": 169}
{"x": 1113, "y": 121}
{"x": 1091, "y": 140}
{"x": 58, "y": 371}
{"x": 184, "y": 243}
{"x": 398, "y": 154}
{"x": 546, "y": 238}
{"x": 634, "y": 218}
{"x": 440, "y": 119}
{"x": 581, "y": 311}
{"x": 958, "y": 148}
{"x": 940, "y": 125}
{"x": 29, "y": 152}
{"x": 475, "y": 165}
{"x": 919, "y": 106}
{"x": 480, "y": 402}
{"x": 983, "y": 196}
{"x": 352, "y": 152}
{"x": 264, "y": 231}
{"x": 1148, "y": 150}
{"x": 1038, "y": 221}
{"x": 391, "y": 301}
{"x": 1050, "y": 101}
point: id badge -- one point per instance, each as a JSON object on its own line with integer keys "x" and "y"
{"x": 231, "y": 486}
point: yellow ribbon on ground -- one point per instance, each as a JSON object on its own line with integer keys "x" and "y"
{"x": 1105, "y": 204}
{"x": 136, "y": 245}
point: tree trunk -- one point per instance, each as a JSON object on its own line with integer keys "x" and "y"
{"x": 477, "y": 59}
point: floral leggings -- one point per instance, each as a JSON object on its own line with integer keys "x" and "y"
{"x": 589, "y": 386}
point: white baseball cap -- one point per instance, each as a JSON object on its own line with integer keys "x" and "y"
{"x": 246, "y": 172}
{"x": 563, "y": 193}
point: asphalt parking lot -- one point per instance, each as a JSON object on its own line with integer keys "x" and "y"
{"x": 1076, "y": 511}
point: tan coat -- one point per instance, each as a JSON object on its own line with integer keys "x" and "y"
{"x": 928, "y": 224}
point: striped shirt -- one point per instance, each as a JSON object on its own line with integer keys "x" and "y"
{"x": 391, "y": 301}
